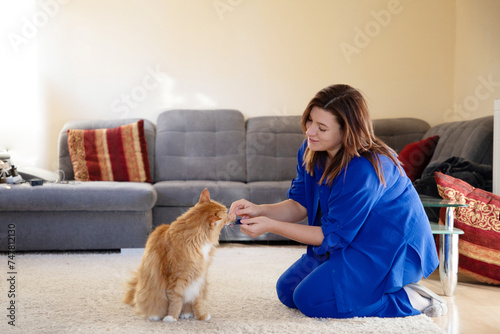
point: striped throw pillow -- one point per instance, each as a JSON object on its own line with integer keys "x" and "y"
{"x": 117, "y": 154}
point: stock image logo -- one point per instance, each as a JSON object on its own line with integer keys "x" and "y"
{"x": 225, "y": 6}
{"x": 372, "y": 29}
{"x": 31, "y": 26}
{"x": 483, "y": 91}
{"x": 138, "y": 93}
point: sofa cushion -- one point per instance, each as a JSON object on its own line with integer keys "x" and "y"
{"x": 77, "y": 230}
{"x": 265, "y": 192}
{"x": 200, "y": 145}
{"x": 79, "y": 196}
{"x": 187, "y": 193}
{"x": 272, "y": 145}
{"x": 65, "y": 165}
{"x": 479, "y": 246}
{"x": 116, "y": 154}
{"x": 471, "y": 140}
{"x": 399, "y": 132}
{"x": 416, "y": 156}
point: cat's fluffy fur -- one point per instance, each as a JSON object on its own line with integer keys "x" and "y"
{"x": 171, "y": 279}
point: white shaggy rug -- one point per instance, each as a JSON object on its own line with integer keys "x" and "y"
{"x": 82, "y": 293}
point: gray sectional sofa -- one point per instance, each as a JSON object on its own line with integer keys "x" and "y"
{"x": 190, "y": 150}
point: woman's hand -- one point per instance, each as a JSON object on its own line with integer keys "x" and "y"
{"x": 244, "y": 209}
{"x": 275, "y": 218}
{"x": 254, "y": 227}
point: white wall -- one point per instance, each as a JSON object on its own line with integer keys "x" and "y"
{"x": 23, "y": 129}
{"x": 136, "y": 58}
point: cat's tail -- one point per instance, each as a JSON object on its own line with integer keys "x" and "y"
{"x": 130, "y": 294}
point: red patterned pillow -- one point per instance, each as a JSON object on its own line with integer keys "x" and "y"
{"x": 479, "y": 246}
{"x": 416, "y": 156}
{"x": 118, "y": 154}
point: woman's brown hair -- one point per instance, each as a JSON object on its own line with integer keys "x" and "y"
{"x": 349, "y": 107}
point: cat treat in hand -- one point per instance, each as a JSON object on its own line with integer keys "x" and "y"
{"x": 171, "y": 280}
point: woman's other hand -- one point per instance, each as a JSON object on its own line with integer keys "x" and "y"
{"x": 254, "y": 227}
{"x": 244, "y": 209}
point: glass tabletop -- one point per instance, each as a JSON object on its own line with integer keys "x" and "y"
{"x": 441, "y": 229}
{"x": 436, "y": 202}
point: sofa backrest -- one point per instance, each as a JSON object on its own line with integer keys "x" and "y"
{"x": 471, "y": 140}
{"x": 200, "y": 145}
{"x": 272, "y": 145}
{"x": 64, "y": 163}
{"x": 399, "y": 132}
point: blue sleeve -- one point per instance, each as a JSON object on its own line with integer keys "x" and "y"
{"x": 355, "y": 191}
{"x": 297, "y": 190}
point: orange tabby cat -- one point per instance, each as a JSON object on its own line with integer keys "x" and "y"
{"x": 171, "y": 279}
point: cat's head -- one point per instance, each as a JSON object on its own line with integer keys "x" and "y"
{"x": 212, "y": 213}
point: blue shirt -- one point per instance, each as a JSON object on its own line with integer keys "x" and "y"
{"x": 368, "y": 228}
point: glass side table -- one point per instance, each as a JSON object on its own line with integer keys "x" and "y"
{"x": 448, "y": 241}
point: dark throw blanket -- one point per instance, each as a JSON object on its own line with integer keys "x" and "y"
{"x": 477, "y": 175}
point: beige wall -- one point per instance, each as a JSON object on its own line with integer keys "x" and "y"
{"x": 477, "y": 59}
{"x": 118, "y": 59}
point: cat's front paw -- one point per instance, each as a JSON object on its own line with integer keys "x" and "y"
{"x": 169, "y": 318}
{"x": 186, "y": 316}
{"x": 154, "y": 318}
{"x": 205, "y": 317}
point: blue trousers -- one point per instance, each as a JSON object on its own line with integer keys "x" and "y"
{"x": 307, "y": 286}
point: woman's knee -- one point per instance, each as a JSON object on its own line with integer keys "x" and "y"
{"x": 291, "y": 278}
{"x": 314, "y": 296}
{"x": 314, "y": 305}
{"x": 285, "y": 291}
{"x": 305, "y": 302}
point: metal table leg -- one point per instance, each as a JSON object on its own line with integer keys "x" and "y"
{"x": 448, "y": 256}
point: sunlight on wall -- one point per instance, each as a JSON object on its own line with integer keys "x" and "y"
{"x": 109, "y": 59}
{"x": 22, "y": 126}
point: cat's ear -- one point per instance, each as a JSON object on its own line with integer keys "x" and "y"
{"x": 205, "y": 196}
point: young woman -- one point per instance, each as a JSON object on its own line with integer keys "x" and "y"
{"x": 369, "y": 239}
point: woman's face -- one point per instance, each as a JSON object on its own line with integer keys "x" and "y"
{"x": 323, "y": 132}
